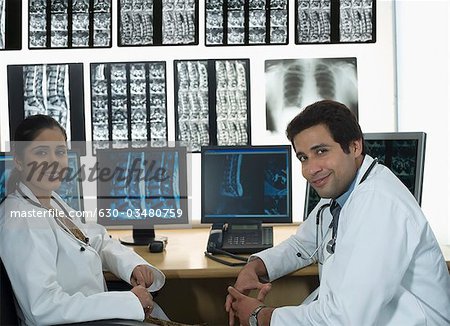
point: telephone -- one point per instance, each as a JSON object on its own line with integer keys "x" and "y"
{"x": 239, "y": 238}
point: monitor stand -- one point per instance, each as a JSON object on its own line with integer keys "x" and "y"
{"x": 142, "y": 237}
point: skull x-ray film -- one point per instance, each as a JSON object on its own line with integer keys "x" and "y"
{"x": 10, "y": 24}
{"x": 292, "y": 84}
{"x": 212, "y": 101}
{"x": 239, "y": 22}
{"x": 51, "y": 89}
{"x": 129, "y": 103}
{"x": 158, "y": 22}
{"x": 69, "y": 24}
{"x": 341, "y": 21}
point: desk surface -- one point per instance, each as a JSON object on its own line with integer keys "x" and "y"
{"x": 184, "y": 255}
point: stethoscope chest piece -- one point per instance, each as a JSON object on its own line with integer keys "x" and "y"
{"x": 330, "y": 246}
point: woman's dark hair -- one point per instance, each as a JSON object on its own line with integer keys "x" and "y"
{"x": 340, "y": 121}
{"x": 26, "y": 132}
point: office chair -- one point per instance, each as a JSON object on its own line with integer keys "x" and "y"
{"x": 8, "y": 312}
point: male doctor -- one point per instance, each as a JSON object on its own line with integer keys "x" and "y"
{"x": 379, "y": 261}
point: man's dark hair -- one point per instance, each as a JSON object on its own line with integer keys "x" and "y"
{"x": 340, "y": 121}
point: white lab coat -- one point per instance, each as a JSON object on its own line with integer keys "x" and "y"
{"x": 387, "y": 268}
{"x": 53, "y": 279}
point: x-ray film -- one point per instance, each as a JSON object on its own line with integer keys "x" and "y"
{"x": 129, "y": 103}
{"x": 10, "y": 24}
{"x": 355, "y": 18}
{"x": 292, "y": 84}
{"x": 239, "y": 22}
{"x": 2, "y": 23}
{"x": 343, "y": 21}
{"x": 158, "y": 22}
{"x": 50, "y": 89}
{"x": 215, "y": 114}
{"x": 69, "y": 24}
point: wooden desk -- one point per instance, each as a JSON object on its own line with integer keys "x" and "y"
{"x": 184, "y": 255}
{"x": 196, "y": 286}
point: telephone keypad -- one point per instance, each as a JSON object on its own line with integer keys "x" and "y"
{"x": 251, "y": 238}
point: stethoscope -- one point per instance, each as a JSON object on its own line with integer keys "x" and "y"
{"x": 330, "y": 247}
{"x": 84, "y": 243}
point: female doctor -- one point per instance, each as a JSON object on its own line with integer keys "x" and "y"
{"x": 55, "y": 262}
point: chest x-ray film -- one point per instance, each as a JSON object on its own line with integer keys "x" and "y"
{"x": 292, "y": 84}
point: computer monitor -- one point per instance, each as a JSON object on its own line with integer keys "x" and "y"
{"x": 243, "y": 184}
{"x": 71, "y": 189}
{"x": 402, "y": 152}
{"x": 142, "y": 187}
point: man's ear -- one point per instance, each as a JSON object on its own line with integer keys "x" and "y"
{"x": 356, "y": 147}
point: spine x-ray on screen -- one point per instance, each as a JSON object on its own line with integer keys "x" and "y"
{"x": 246, "y": 184}
{"x": 147, "y": 185}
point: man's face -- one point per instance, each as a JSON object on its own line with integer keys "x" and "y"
{"x": 325, "y": 165}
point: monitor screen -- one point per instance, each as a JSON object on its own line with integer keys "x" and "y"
{"x": 71, "y": 189}
{"x": 142, "y": 188}
{"x": 245, "y": 183}
{"x": 402, "y": 152}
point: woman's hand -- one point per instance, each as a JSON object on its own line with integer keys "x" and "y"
{"x": 142, "y": 275}
{"x": 145, "y": 298}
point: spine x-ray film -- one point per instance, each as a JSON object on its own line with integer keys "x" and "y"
{"x": 341, "y": 21}
{"x": 212, "y": 102}
{"x": 239, "y": 22}
{"x": 69, "y": 23}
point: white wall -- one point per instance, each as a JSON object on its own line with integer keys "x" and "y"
{"x": 376, "y": 80}
{"x": 423, "y": 97}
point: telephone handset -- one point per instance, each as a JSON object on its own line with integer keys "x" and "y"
{"x": 215, "y": 240}
{"x": 239, "y": 238}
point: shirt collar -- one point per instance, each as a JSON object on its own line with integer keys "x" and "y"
{"x": 343, "y": 198}
{"x": 27, "y": 192}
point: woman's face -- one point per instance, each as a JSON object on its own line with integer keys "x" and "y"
{"x": 44, "y": 162}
